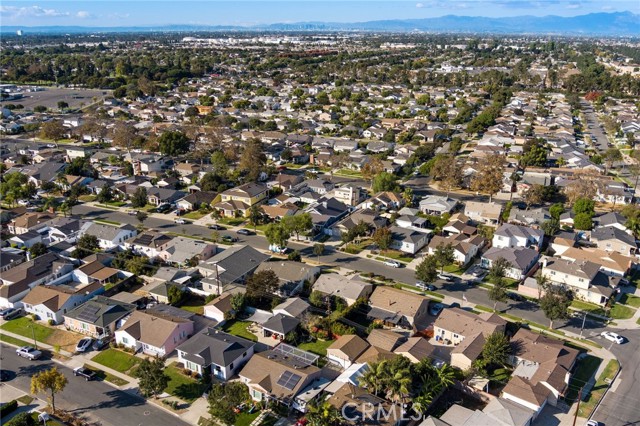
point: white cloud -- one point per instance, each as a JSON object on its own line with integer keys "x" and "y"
{"x": 573, "y": 6}
{"x": 607, "y": 7}
{"x": 12, "y": 12}
{"x": 83, "y": 14}
{"x": 419, "y": 5}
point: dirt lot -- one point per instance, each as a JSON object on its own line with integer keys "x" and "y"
{"x": 49, "y": 97}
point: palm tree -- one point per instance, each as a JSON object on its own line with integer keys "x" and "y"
{"x": 50, "y": 203}
{"x": 318, "y": 249}
{"x": 374, "y": 378}
{"x": 323, "y": 414}
{"x": 633, "y": 224}
{"x": 399, "y": 384}
{"x": 542, "y": 281}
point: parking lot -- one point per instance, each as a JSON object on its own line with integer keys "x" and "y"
{"x": 50, "y": 97}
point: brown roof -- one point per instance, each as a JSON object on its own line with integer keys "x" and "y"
{"x": 537, "y": 348}
{"x": 104, "y": 273}
{"x": 416, "y": 347}
{"x": 395, "y": 300}
{"x": 222, "y": 302}
{"x": 350, "y": 345}
{"x": 353, "y": 397}
{"x": 466, "y": 324}
{"x": 374, "y": 354}
{"x": 384, "y": 339}
{"x": 151, "y": 329}
{"x": 54, "y": 297}
{"x": 29, "y": 220}
{"x": 524, "y": 389}
{"x": 471, "y": 347}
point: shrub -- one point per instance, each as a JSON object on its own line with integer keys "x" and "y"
{"x": 51, "y": 322}
{"x": 8, "y": 408}
{"x": 34, "y": 317}
{"x": 21, "y": 419}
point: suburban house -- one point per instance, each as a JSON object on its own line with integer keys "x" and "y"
{"x": 398, "y": 308}
{"x": 99, "y": 316}
{"x": 531, "y": 217}
{"x": 498, "y": 412}
{"x": 610, "y": 238}
{"x": 233, "y": 265}
{"x": 348, "y": 288}
{"x": 467, "y": 332}
{"x": 157, "y": 196}
{"x": 416, "y": 349}
{"x": 346, "y": 349}
{"x": 408, "y": 240}
{"x": 278, "y": 326}
{"x": 26, "y": 240}
{"x": 51, "y": 302}
{"x": 437, "y": 205}
{"x": 385, "y": 339}
{"x": 348, "y": 399}
{"x": 28, "y": 221}
{"x": 182, "y": 250}
{"x": 583, "y": 277}
{"x": 196, "y": 199}
{"x": 10, "y": 258}
{"x": 293, "y": 307}
{"x": 521, "y": 260}
{"x": 292, "y": 275}
{"x": 325, "y": 212}
{"x": 65, "y": 229}
{"x": 611, "y": 263}
{"x": 349, "y": 194}
{"x": 109, "y": 237}
{"x": 216, "y": 352}
{"x": 384, "y": 201}
{"x": 465, "y": 247}
{"x": 219, "y": 308}
{"x": 281, "y": 374}
{"x": 542, "y": 370}
{"x": 149, "y": 243}
{"x": 238, "y": 200}
{"x": 154, "y": 334}
{"x": 487, "y": 213}
{"x": 19, "y": 280}
{"x": 511, "y": 236}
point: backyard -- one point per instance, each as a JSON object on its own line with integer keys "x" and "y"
{"x": 182, "y": 386}
{"x": 239, "y": 328}
{"x": 116, "y": 360}
{"x": 319, "y": 347}
{"x": 193, "y": 304}
{"x": 52, "y": 336}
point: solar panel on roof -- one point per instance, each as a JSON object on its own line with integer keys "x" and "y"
{"x": 89, "y": 313}
{"x": 288, "y": 380}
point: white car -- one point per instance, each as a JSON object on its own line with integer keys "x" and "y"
{"x": 392, "y": 263}
{"x": 84, "y": 344}
{"x": 445, "y": 277}
{"x": 180, "y": 221}
{"x": 614, "y": 337}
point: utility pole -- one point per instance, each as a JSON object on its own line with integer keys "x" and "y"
{"x": 575, "y": 418}
{"x": 584, "y": 319}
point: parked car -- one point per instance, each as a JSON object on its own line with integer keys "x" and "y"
{"x": 244, "y": 232}
{"x": 6, "y": 375}
{"x": 228, "y": 239}
{"x": 593, "y": 423}
{"x": 613, "y": 337}
{"x": 84, "y": 344}
{"x": 87, "y": 373}
{"x": 101, "y": 343}
{"x": 180, "y": 221}
{"x": 163, "y": 208}
{"x": 435, "y": 308}
{"x": 445, "y": 277}
{"x": 29, "y": 352}
{"x": 392, "y": 263}
{"x": 515, "y": 296}
{"x": 132, "y": 212}
{"x": 10, "y": 313}
{"x": 217, "y": 227}
{"x": 423, "y": 286}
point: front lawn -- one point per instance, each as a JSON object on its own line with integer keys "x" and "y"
{"x": 396, "y": 255}
{"x": 181, "y": 386}
{"x": 195, "y": 215}
{"x": 116, "y": 360}
{"x": 456, "y": 269}
{"x": 13, "y": 341}
{"x": 598, "y": 389}
{"x": 508, "y": 282}
{"x": 588, "y": 307}
{"x": 586, "y": 368}
{"x": 232, "y": 221}
{"x": 630, "y": 299}
{"x": 319, "y": 347}
{"x": 108, "y": 377}
{"x": 245, "y": 419}
{"x": 26, "y": 327}
{"x": 239, "y": 328}
{"x": 619, "y": 311}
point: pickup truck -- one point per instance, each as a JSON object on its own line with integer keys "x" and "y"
{"x": 29, "y": 352}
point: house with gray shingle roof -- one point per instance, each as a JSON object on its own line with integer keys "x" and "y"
{"x": 232, "y": 265}
{"x": 408, "y": 240}
{"x": 109, "y": 236}
{"x": 521, "y": 260}
{"x": 99, "y": 316}
{"x": 508, "y": 235}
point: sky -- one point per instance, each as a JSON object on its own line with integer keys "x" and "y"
{"x": 148, "y": 13}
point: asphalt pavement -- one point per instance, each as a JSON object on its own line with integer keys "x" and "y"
{"x": 96, "y": 400}
{"x": 593, "y": 127}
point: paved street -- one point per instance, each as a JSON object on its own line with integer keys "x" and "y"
{"x": 99, "y": 401}
{"x": 621, "y": 405}
{"x": 592, "y": 126}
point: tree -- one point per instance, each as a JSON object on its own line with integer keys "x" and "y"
{"x": 372, "y": 169}
{"x": 139, "y": 198}
{"x": 141, "y": 216}
{"x": 174, "y": 143}
{"x": 277, "y": 234}
{"x": 496, "y": 349}
{"x": 542, "y": 282}
{"x": 261, "y": 286}
{"x": 224, "y": 398}
{"x": 51, "y": 381}
{"x": 52, "y": 130}
{"x": 584, "y": 205}
{"x": 255, "y": 215}
{"x": 86, "y": 245}
{"x": 62, "y": 105}
{"x": 383, "y": 238}
{"x": 298, "y": 224}
{"x": 555, "y": 303}
{"x": 534, "y": 195}
{"x": 498, "y": 293}
{"x": 124, "y": 135}
{"x": 612, "y": 155}
{"x": 38, "y": 249}
{"x": 324, "y": 414}
{"x": 318, "y": 250}
{"x": 444, "y": 255}
{"x": 175, "y": 295}
{"x": 556, "y": 210}
{"x": 427, "y": 270}
{"x": 152, "y": 379}
{"x": 488, "y": 179}
{"x": 252, "y": 160}
{"x": 498, "y": 268}
{"x": 583, "y": 221}
{"x": 238, "y": 302}
{"x": 105, "y": 195}
{"x": 550, "y": 227}
{"x": 534, "y": 153}
{"x": 384, "y": 181}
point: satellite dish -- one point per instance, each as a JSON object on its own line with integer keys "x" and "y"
{"x": 43, "y": 417}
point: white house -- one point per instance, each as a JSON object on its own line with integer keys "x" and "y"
{"x": 510, "y": 236}
{"x": 109, "y": 236}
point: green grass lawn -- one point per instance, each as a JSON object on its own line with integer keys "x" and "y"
{"x": 116, "y": 360}
{"x": 619, "y": 311}
{"x": 587, "y": 407}
{"x": 508, "y": 282}
{"x": 245, "y": 419}
{"x": 107, "y": 222}
{"x": 194, "y": 304}
{"x": 195, "y": 215}
{"x": 239, "y": 328}
{"x": 232, "y": 221}
{"x": 456, "y": 269}
{"x": 108, "y": 377}
{"x": 319, "y": 347}
{"x": 396, "y": 255}
{"x": 87, "y": 198}
{"x": 587, "y": 307}
{"x": 586, "y": 368}
{"x": 13, "y": 341}
{"x": 630, "y": 299}
{"x": 181, "y": 386}
{"x": 50, "y": 422}
{"x": 23, "y": 326}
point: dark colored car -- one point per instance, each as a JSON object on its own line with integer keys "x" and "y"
{"x": 101, "y": 343}
{"x": 217, "y": 227}
{"x": 84, "y": 372}
{"x": 515, "y": 296}
{"x": 228, "y": 239}
{"x": 163, "y": 208}
{"x": 10, "y": 313}
{"x": 244, "y": 232}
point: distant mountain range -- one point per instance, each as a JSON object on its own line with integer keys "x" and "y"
{"x": 610, "y": 24}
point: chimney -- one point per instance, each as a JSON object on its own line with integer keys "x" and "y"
{"x": 544, "y": 262}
